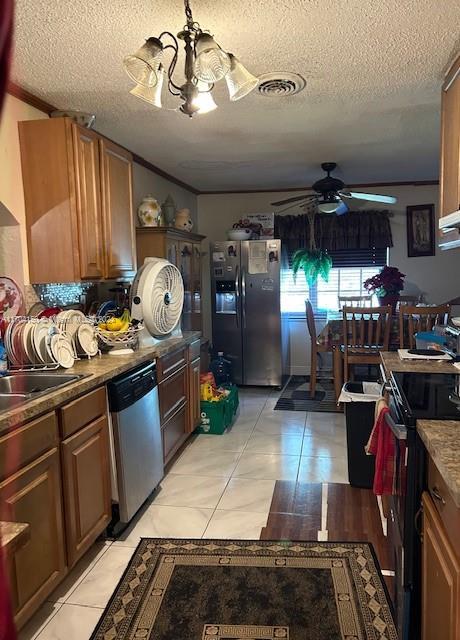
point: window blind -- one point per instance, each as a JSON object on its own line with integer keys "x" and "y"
{"x": 349, "y": 270}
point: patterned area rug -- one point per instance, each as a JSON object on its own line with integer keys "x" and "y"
{"x": 296, "y": 395}
{"x": 241, "y": 590}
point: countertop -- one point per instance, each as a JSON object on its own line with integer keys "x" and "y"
{"x": 442, "y": 440}
{"x": 13, "y": 535}
{"x": 392, "y": 362}
{"x": 98, "y": 371}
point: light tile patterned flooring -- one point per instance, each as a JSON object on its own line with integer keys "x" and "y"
{"x": 220, "y": 487}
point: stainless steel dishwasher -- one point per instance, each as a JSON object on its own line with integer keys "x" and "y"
{"x": 136, "y": 441}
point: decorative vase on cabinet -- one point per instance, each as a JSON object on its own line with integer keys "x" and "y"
{"x": 148, "y": 212}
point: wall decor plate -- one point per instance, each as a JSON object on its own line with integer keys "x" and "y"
{"x": 11, "y": 298}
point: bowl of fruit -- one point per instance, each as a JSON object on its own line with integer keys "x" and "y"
{"x": 118, "y": 330}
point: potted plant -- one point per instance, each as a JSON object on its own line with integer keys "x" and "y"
{"x": 313, "y": 262}
{"x": 387, "y": 285}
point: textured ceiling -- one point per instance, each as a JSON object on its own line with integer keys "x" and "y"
{"x": 373, "y": 69}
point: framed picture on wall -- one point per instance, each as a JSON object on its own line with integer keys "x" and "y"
{"x": 420, "y": 230}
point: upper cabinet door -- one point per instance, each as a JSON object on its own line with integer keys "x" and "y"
{"x": 450, "y": 143}
{"x": 88, "y": 202}
{"x": 117, "y": 207}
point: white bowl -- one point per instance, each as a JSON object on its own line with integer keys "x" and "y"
{"x": 456, "y": 321}
{"x": 239, "y": 234}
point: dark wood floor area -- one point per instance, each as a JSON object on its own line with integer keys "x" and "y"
{"x": 332, "y": 512}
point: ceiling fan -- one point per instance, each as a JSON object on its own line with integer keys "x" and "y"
{"x": 330, "y": 193}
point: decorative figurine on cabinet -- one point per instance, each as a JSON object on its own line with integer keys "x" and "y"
{"x": 183, "y": 220}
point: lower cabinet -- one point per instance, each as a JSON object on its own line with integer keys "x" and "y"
{"x": 33, "y": 495}
{"x": 174, "y": 433}
{"x": 179, "y": 395}
{"x": 440, "y": 579}
{"x": 86, "y": 486}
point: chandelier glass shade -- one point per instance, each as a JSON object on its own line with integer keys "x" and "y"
{"x": 205, "y": 64}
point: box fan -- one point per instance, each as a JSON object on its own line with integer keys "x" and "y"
{"x": 157, "y": 298}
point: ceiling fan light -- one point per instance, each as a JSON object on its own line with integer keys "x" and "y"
{"x": 143, "y": 66}
{"x": 239, "y": 80}
{"x": 152, "y": 95}
{"x": 328, "y": 206}
{"x": 203, "y": 98}
{"x": 211, "y": 62}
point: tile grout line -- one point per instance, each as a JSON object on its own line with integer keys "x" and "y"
{"x": 233, "y": 471}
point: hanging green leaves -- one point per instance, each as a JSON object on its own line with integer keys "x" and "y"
{"x": 313, "y": 262}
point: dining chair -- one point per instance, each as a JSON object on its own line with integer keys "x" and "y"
{"x": 413, "y": 319}
{"x": 354, "y": 301}
{"x": 366, "y": 332}
{"x": 316, "y": 347}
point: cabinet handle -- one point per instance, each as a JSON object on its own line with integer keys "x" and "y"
{"x": 437, "y": 495}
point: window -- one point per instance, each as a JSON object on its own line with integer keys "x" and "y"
{"x": 349, "y": 270}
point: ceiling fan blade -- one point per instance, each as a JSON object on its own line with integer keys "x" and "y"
{"x": 342, "y": 208}
{"x": 294, "y": 199}
{"x": 371, "y": 197}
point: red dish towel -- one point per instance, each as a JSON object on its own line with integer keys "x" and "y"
{"x": 382, "y": 445}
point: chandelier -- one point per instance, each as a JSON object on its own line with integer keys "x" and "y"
{"x": 205, "y": 64}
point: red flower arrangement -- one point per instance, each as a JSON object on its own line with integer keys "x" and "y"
{"x": 390, "y": 281}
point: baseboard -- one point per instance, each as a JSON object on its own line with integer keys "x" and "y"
{"x": 300, "y": 371}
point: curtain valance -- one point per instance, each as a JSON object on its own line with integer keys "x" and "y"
{"x": 354, "y": 230}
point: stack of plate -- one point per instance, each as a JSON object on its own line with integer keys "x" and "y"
{"x": 32, "y": 342}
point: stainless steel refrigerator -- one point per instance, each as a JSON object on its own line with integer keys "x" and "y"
{"x": 247, "y": 324}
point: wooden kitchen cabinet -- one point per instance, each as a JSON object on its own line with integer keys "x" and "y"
{"x": 88, "y": 202}
{"x": 117, "y": 207}
{"x": 33, "y": 495}
{"x": 450, "y": 142}
{"x": 78, "y": 203}
{"x": 86, "y": 486}
{"x": 440, "y": 578}
{"x": 183, "y": 249}
{"x": 194, "y": 411}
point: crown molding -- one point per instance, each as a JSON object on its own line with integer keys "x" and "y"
{"x": 361, "y": 185}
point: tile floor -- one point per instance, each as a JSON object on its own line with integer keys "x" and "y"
{"x": 220, "y": 487}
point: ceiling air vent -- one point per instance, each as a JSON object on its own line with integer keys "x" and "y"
{"x": 281, "y": 84}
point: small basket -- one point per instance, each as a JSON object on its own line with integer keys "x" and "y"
{"x": 119, "y": 338}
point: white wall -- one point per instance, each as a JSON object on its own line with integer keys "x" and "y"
{"x": 13, "y": 243}
{"x": 146, "y": 182}
{"x": 436, "y": 276}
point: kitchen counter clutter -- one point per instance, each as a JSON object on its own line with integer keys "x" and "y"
{"x": 442, "y": 441}
{"x": 97, "y": 371}
{"x": 392, "y": 362}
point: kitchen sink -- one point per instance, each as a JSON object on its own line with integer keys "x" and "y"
{"x": 10, "y": 400}
{"x": 33, "y": 382}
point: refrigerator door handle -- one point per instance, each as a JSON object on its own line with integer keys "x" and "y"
{"x": 243, "y": 295}
{"x": 237, "y": 291}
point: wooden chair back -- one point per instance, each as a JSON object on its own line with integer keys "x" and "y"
{"x": 354, "y": 301}
{"x": 367, "y": 327}
{"x": 310, "y": 321}
{"x": 414, "y": 319}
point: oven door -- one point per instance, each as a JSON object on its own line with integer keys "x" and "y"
{"x": 403, "y": 536}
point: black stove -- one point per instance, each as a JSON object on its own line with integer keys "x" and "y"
{"x": 426, "y": 396}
